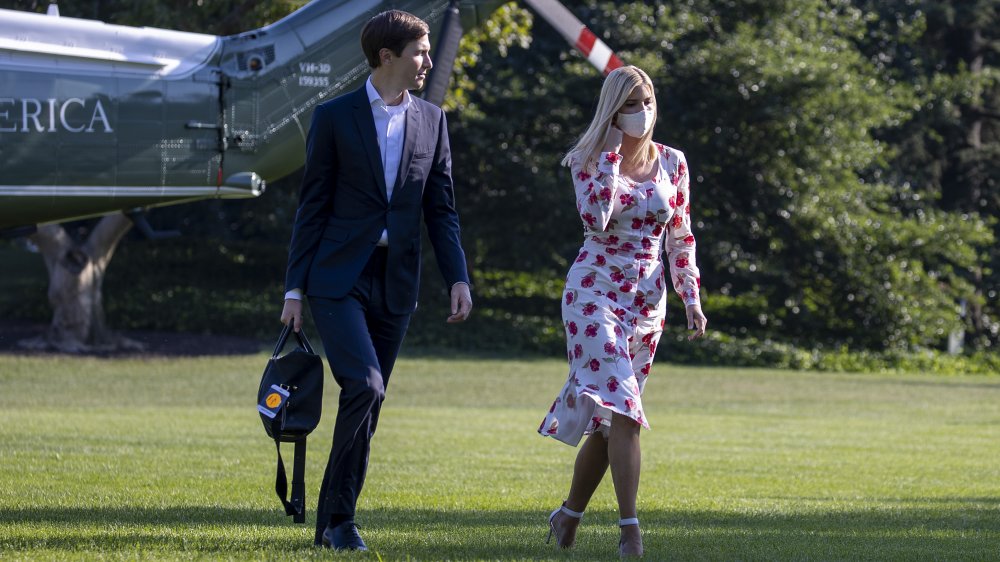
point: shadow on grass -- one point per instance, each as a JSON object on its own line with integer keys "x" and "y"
{"x": 936, "y": 528}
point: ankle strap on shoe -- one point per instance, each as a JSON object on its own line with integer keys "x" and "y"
{"x": 629, "y": 521}
{"x": 571, "y": 513}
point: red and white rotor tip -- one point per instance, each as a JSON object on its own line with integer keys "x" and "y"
{"x": 577, "y": 34}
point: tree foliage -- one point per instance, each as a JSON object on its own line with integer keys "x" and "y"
{"x": 844, "y": 156}
{"x": 804, "y": 234}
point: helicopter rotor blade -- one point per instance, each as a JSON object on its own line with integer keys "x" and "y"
{"x": 446, "y": 52}
{"x": 577, "y": 34}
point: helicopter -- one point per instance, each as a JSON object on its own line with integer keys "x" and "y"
{"x": 102, "y": 120}
{"x": 98, "y": 118}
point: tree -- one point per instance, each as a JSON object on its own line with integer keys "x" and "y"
{"x": 802, "y": 234}
{"x": 948, "y": 153}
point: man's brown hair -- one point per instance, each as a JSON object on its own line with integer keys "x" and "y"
{"x": 392, "y": 30}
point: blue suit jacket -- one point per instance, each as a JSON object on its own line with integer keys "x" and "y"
{"x": 343, "y": 207}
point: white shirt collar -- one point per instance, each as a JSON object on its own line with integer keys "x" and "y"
{"x": 374, "y": 97}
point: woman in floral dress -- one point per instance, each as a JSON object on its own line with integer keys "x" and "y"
{"x": 633, "y": 199}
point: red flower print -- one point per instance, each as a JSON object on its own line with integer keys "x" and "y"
{"x": 589, "y": 309}
{"x": 658, "y": 230}
{"x": 645, "y": 369}
{"x": 577, "y": 351}
{"x": 689, "y": 240}
{"x": 687, "y": 210}
{"x": 627, "y": 199}
{"x": 591, "y": 330}
{"x": 698, "y": 281}
{"x": 672, "y": 202}
{"x": 609, "y": 348}
{"x": 612, "y": 384}
{"x": 612, "y": 158}
{"x": 553, "y": 408}
{"x": 592, "y": 199}
{"x": 617, "y": 276}
{"x": 583, "y": 255}
{"x": 681, "y": 261}
{"x": 553, "y": 428}
{"x": 659, "y": 283}
{"x": 588, "y": 280}
{"x": 628, "y": 246}
{"x": 613, "y": 296}
{"x": 593, "y": 387}
{"x": 636, "y": 224}
{"x": 595, "y": 365}
{"x": 583, "y": 176}
{"x": 611, "y": 251}
{"x": 626, "y": 287}
{"x": 647, "y": 244}
{"x": 677, "y": 221}
{"x": 607, "y": 404}
{"x": 650, "y": 219}
{"x": 681, "y": 169}
{"x": 612, "y": 240}
{"x": 675, "y": 179}
{"x": 620, "y": 313}
{"x": 680, "y": 198}
{"x": 647, "y": 338}
{"x": 652, "y": 348}
{"x": 569, "y": 298}
{"x": 606, "y": 194}
{"x": 572, "y": 328}
{"x": 638, "y": 301}
{"x": 629, "y": 404}
{"x": 590, "y": 219}
{"x": 601, "y": 260}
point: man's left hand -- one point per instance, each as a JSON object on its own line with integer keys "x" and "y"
{"x": 461, "y": 303}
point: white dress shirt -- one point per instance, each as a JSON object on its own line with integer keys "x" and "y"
{"x": 390, "y": 126}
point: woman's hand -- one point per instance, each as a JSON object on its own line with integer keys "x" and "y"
{"x": 613, "y": 142}
{"x": 696, "y": 321}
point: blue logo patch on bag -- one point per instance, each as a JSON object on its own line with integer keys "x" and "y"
{"x": 272, "y": 401}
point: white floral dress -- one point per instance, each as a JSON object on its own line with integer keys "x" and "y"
{"x": 614, "y": 304}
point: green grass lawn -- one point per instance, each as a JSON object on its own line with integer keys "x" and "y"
{"x": 166, "y": 458}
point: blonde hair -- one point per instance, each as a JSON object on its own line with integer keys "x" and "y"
{"x": 617, "y": 88}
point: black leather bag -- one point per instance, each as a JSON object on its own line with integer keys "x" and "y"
{"x": 290, "y": 403}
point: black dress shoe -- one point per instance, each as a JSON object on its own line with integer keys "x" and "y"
{"x": 343, "y": 537}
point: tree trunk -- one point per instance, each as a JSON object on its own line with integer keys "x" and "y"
{"x": 76, "y": 275}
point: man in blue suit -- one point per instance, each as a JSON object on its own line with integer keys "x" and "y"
{"x": 377, "y": 159}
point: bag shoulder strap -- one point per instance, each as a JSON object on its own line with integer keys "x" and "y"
{"x": 296, "y": 505}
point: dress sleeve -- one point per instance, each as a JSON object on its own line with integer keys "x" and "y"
{"x": 595, "y": 190}
{"x": 680, "y": 244}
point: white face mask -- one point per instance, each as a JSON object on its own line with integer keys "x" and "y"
{"x": 636, "y": 124}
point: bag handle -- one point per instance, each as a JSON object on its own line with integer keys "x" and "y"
{"x": 283, "y": 339}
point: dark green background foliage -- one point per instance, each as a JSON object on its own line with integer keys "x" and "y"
{"x": 844, "y": 157}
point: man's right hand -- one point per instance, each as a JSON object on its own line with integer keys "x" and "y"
{"x": 292, "y": 312}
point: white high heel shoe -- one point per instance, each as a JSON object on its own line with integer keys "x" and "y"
{"x": 552, "y": 528}
{"x": 633, "y": 550}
